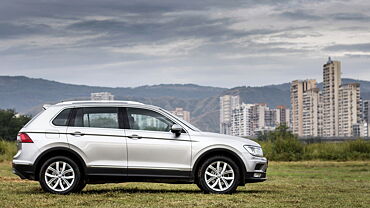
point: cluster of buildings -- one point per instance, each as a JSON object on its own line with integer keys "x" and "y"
{"x": 335, "y": 111}
{"x": 241, "y": 119}
{"x": 181, "y": 113}
{"x": 101, "y": 96}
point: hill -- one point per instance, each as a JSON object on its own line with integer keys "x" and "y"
{"x": 27, "y": 95}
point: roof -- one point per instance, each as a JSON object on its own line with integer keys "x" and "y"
{"x": 99, "y": 102}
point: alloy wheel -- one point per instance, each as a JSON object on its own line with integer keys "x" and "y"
{"x": 59, "y": 176}
{"x": 219, "y": 176}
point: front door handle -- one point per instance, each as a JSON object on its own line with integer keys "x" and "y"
{"x": 134, "y": 136}
{"x": 77, "y": 133}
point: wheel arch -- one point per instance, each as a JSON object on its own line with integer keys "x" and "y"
{"x": 59, "y": 151}
{"x": 219, "y": 151}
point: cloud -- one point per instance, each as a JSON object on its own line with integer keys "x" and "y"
{"x": 170, "y": 49}
{"x": 11, "y": 30}
{"x": 300, "y": 15}
{"x": 238, "y": 42}
{"x": 362, "y": 47}
{"x": 351, "y": 16}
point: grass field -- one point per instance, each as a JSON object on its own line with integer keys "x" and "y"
{"x": 290, "y": 184}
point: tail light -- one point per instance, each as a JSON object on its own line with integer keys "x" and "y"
{"x": 24, "y": 138}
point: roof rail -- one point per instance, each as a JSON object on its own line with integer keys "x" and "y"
{"x": 100, "y": 101}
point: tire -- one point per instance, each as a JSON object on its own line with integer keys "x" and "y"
{"x": 218, "y": 175}
{"x": 80, "y": 186}
{"x": 63, "y": 175}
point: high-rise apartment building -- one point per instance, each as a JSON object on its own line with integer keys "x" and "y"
{"x": 349, "y": 109}
{"x": 181, "y": 113}
{"x": 310, "y": 115}
{"x": 297, "y": 90}
{"x": 366, "y": 115}
{"x": 270, "y": 117}
{"x": 241, "y": 121}
{"x": 282, "y": 115}
{"x": 331, "y": 84}
{"x": 227, "y": 104}
{"x": 258, "y": 116}
{"x": 360, "y": 129}
{"x": 247, "y": 119}
{"x": 101, "y": 96}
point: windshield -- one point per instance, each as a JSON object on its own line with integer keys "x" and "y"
{"x": 189, "y": 125}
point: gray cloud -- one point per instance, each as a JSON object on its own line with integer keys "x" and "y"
{"x": 351, "y": 16}
{"x": 300, "y": 15}
{"x": 130, "y": 43}
{"x": 10, "y": 30}
{"x": 363, "y": 47}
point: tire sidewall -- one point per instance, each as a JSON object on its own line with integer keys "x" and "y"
{"x": 206, "y": 163}
{"x": 75, "y": 167}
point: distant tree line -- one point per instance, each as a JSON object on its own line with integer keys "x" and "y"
{"x": 283, "y": 145}
{"x": 11, "y": 123}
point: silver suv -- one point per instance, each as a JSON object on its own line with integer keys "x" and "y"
{"x": 74, "y": 143}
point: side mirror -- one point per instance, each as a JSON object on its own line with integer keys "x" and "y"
{"x": 176, "y": 129}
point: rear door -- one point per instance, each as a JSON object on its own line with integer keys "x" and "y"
{"x": 153, "y": 150}
{"x": 98, "y": 134}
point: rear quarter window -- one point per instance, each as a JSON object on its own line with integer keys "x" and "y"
{"x": 62, "y": 118}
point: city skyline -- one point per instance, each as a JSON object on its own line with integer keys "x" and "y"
{"x": 247, "y": 119}
{"x": 334, "y": 110}
{"x": 239, "y": 42}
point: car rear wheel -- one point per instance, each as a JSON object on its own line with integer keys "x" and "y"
{"x": 60, "y": 175}
{"x": 218, "y": 174}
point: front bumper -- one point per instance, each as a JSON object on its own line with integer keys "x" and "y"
{"x": 24, "y": 171}
{"x": 250, "y": 177}
{"x": 259, "y": 174}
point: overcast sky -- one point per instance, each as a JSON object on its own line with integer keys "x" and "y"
{"x": 222, "y": 43}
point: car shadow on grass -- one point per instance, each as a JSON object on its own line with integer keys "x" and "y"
{"x": 138, "y": 190}
{"x": 155, "y": 191}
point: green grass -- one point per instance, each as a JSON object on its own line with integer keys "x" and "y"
{"x": 290, "y": 184}
{"x": 7, "y": 150}
{"x": 294, "y": 150}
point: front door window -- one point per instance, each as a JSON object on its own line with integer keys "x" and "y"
{"x": 143, "y": 119}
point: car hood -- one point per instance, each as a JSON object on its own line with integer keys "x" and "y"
{"x": 227, "y": 138}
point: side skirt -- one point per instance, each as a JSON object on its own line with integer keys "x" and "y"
{"x": 118, "y": 175}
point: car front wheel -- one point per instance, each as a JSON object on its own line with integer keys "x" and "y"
{"x": 60, "y": 175}
{"x": 219, "y": 174}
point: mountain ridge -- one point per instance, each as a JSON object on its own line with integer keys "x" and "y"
{"x": 27, "y": 95}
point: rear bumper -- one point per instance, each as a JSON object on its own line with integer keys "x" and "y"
{"x": 24, "y": 171}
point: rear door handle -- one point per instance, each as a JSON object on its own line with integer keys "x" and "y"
{"x": 134, "y": 136}
{"x": 77, "y": 133}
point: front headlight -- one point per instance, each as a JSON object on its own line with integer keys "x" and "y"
{"x": 254, "y": 150}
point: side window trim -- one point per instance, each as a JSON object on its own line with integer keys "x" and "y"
{"x": 72, "y": 117}
{"x": 124, "y": 118}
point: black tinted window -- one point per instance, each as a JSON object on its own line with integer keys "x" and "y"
{"x": 62, "y": 118}
{"x": 96, "y": 117}
{"x": 142, "y": 119}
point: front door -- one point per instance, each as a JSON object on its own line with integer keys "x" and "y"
{"x": 153, "y": 150}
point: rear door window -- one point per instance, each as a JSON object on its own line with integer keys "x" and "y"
{"x": 96, "y": 117}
